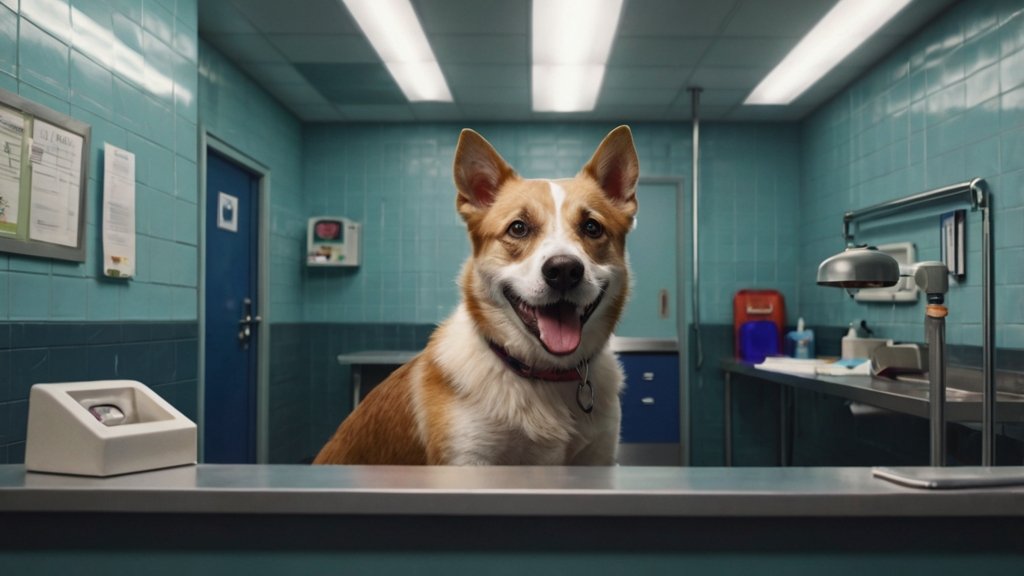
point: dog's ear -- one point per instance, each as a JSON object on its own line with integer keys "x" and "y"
{"x": 479, "y": 171}
{"x": 615, "y": 167}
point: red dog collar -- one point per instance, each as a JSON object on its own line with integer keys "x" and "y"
{"x": 527, "y": 371}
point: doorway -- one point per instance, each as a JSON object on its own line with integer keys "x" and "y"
{"x": 655, "y": 406}
{"x": 232, "y": 305}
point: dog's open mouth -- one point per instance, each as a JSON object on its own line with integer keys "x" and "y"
{"x": 558, "y": 326}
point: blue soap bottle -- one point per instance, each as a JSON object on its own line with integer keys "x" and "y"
{"x": 800, "y": 342}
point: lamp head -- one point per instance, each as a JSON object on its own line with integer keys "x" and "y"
{"x": 933, "y": 279}
{"x": 859, "y": 267}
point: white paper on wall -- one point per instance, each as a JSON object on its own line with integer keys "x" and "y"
{"x": 118, "y": 212}
{"x": 56, "y": 159}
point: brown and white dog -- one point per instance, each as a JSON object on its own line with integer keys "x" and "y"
{"x": 521, "y": 373}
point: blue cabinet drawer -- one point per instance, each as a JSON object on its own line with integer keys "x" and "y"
{"x": 650, "y": 403}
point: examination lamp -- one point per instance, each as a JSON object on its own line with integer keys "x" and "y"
{"x": 859, "y": 267}
{"x": 866, "y": 267}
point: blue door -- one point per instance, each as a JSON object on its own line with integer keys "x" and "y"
{"x": 232, "y": 253}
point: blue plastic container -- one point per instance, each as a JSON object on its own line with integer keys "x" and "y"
{"x": 758, "y": 340}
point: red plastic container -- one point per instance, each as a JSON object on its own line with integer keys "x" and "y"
{"x": 758, "y": 305}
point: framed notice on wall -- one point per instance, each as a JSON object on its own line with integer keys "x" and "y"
{"x": 43, "y": 162}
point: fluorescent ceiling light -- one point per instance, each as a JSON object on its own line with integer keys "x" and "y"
{"x": 839, "y": 33}
{"x": 571, "y": 43}
{"x": 396, "y": 35}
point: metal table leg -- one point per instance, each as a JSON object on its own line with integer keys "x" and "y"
{"x": 728, "y": 419}
{"x": 357, "y": 384}
{"x": 784, "y": 395}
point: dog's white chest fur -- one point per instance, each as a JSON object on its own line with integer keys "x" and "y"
{"x": 503, "y": 418}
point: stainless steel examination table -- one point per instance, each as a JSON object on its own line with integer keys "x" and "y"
{"x": 534, "y": 520}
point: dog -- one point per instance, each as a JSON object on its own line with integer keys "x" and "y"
{"x": 521, "y": 373}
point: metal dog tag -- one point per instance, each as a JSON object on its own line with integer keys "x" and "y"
{"x": 584, "y": 371}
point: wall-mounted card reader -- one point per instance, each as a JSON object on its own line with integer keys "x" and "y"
{"x": 332, "y": 241}
{"x": 105, "y": 428}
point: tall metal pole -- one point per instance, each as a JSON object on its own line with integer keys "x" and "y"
{"x": 935, "y": 327}
{"x": 695, "y": 185}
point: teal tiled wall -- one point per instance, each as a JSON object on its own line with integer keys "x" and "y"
{"x": 944, "y": 107}
{"x": 396, "y": 180}
{"x": 128, "y": 69}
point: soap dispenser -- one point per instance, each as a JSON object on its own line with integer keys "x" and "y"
{"x": 800, "y": 343}
{"x": 849, "y": 343}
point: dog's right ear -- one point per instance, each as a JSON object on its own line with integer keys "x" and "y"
{"x": 479, "y": 172}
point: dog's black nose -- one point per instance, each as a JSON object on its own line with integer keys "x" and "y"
{"x": 562, "y": 272}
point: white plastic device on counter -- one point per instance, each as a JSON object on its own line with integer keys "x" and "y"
{"x": 104, "y": 428}
{"x": 853, "y": 346}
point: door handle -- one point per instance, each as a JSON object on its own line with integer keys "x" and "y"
{"x": 246, "y": 323}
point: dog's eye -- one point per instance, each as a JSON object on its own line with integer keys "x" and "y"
{"x": 518, "y": 229}
{"x": 593, "y": 228}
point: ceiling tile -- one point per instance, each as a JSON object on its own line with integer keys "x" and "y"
{"x": 918, "y": 12}
{"x": 502, "y": 75}
{"x": 721, "y": 97}
{"x": 318, "y": 113}
{"x": 778, "y": 18}
{"x": 637, "y": 96}
{"x": 222, "y": 17}
{"x": 372, "y": 112}
{"x": 487, "y": 112}
{"x": 472, "y": 17}
{"x": 674, "y": 17}
{"x": 244, "y": 48}
{"x": 297, "y": 94}
{"x": 491, "y": 94}
{"x": 324, "y": 48}
{"x": 727, "y": 78}
{"x": 353, "y": 83}
{"x": 305, "y": 17}
{"x": 657, "y": 51}
{"x": 481, "y": 49}
{"x": 266, "y": 73}
{"x": 646, "y": 77}
{"x": 748, "y": 52}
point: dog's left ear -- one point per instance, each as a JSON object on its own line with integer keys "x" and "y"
{"x": 615, "y": 167}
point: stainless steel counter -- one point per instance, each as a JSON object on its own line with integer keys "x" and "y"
{"x": 500, "y": 491}
{"x": 620, "y": 344}
{"x": 962, "y": 403}
{"x": 963, "y": 399}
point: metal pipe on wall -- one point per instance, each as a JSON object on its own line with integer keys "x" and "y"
{"x": 988, "y": 302}
{"x": 695, "y": 185}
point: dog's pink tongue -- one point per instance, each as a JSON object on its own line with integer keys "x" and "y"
{"x": 560, "y": 327}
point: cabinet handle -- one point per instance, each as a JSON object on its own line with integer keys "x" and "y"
{"x": 648, "y": 376}
{"x": 648, "y": 401}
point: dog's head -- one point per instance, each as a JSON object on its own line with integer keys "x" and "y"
{"x": 548, "y": 277}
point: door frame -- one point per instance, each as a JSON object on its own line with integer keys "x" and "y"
{"x": 682, "y": 288}
{"x": 207, "y": 142}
